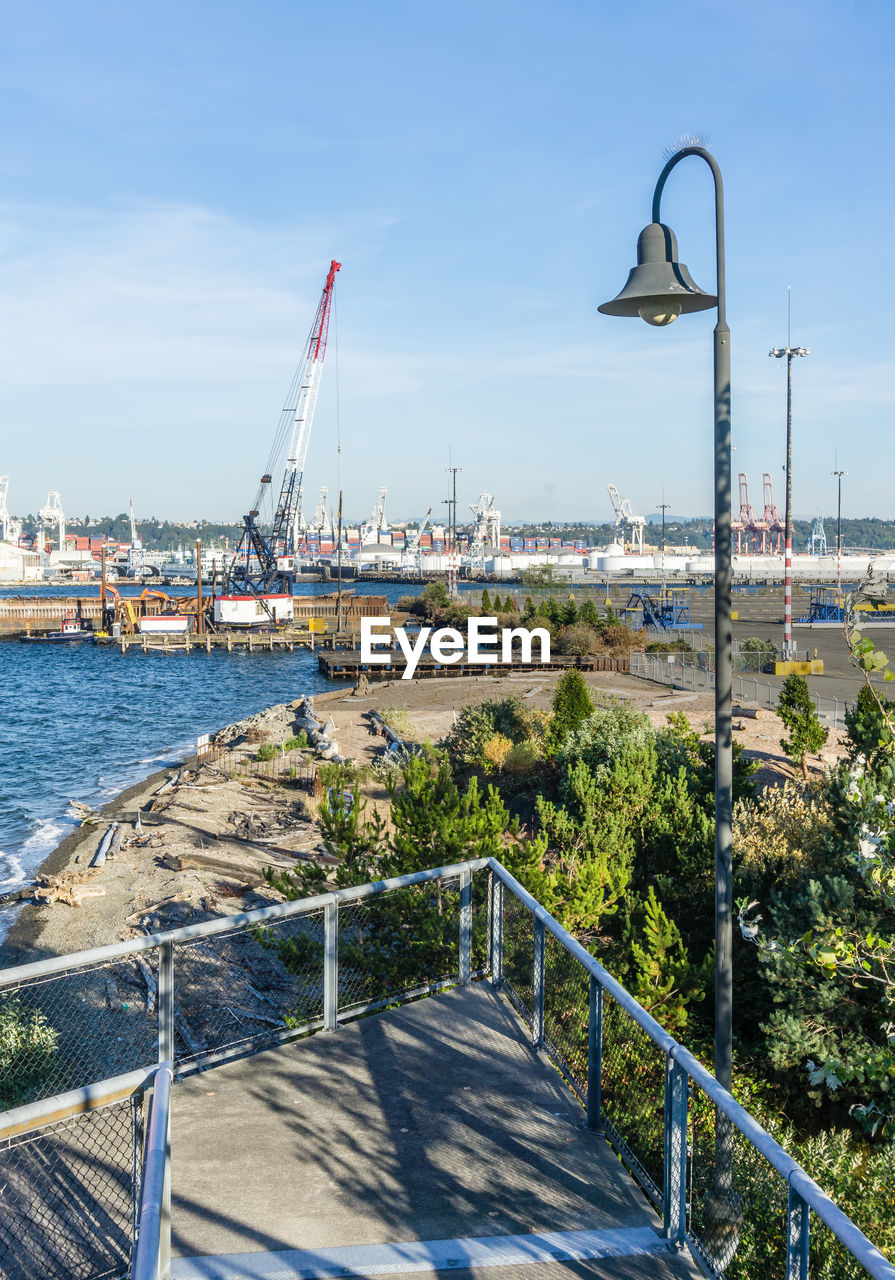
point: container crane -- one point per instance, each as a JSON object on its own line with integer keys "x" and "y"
{"x": 773, "y": 519}
{"x": 369, "y": 530}
{"x": 5, "y": 518}
{"x": 747, "y": 521}
{"x": 486, "y": 532}
{"x": 136, "y": 559}
{"x": 258, "y": 585}
{"x": 627, "y": 520}
{"x": 52, "y": 513}
{"x": 318, "y": 519}
{"x": 412, "y": 556}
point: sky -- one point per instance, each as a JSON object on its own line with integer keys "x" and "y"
{"x": 176, "y": 177}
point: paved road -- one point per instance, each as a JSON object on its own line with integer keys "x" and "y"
{"x": 428, "y": 1138}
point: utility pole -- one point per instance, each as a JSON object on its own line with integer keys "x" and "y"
{"x": 839, "y": 475}
{"x": 663, "y": 506}
{"x": 452, "y": 529}
{"x": 200, "y": 608}
{"x": 778, "y": 353}
{"x": 339, "y": 571}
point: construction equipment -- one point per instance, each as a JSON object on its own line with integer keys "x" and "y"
{"x": 669, "y": 611}
{"x": 262, "y": 571}
{"x": 51, "y": 513}
{"x": 412, "y": 556}
{"x": 627, "y": 522}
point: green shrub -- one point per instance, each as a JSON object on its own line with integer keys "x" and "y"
{"x": 799, "y": 716}
{"x": 268, "y": 751}
{"x": 28, "y": 1046}
{"x": 296, "y": 743}
{"x": 572, "y": 705}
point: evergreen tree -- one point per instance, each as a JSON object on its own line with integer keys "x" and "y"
{"x": 870, "y": 735}
{"x": 799, "y": 716}
{"x": 496, "y": 606}
{"x": 569, "y": 613}
{"x": 486, "y": 602}
{"x": 663, "y": 978}
{"x": 571, "y": 706}
{"x": 588, "y": 614}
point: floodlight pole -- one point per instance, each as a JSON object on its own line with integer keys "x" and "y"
{"x": 839, "y": 475}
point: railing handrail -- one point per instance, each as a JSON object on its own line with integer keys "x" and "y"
{"x": 155, "y": 1189}
{"x": 89, "y": 1097}
{"x": 279, "y": 910}
{"x": 820, "y": 1203}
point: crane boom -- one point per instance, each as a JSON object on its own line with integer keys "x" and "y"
{"x": 263, "y": 563}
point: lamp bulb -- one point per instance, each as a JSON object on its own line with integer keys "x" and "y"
{"x": 659, "y": 312}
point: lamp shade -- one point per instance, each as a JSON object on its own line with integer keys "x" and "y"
{"x": 659, "y": 288}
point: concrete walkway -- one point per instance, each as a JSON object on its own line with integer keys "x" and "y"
{"x": 428, "y": 1138}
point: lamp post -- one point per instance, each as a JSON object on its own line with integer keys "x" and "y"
{"x": 778, "y": 353}
{"x": 659, "y": 289}
{"x": 839, "y": 475}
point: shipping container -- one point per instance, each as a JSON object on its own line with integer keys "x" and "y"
{"x": 515, "y": 544}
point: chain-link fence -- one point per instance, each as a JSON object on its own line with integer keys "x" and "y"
{"x": 228, "y": 987}
{"x": 210, "y": 992}
{"x": 691, "y": 676}
{"x": 723, "y": 1186}
{"x": 70, "y": 1188}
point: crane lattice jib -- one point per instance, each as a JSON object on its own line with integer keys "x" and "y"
{"x": 289, "y": 505}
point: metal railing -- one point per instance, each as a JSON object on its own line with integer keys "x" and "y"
{"x": 667, "y": 669}
{"x": 723, "y": 1186}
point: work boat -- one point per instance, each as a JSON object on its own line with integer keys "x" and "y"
{"x": 71, "y": 630}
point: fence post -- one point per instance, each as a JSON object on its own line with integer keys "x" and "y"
{"x": 331, "y": 965}
{"x": 798, "y": 1218}
{"x": 465, "y": 928}
{"x": 595, "y": 1055}
{"x": 496, "y": 931}
{"x": 166, "y": 1002}
{"x": 674, "y": 1191}
{"x": 537, "y": 1012}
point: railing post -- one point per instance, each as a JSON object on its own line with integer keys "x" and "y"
{"x": 496, "y": 931}
{"x": 674, "y": 1191}
{"x": 166, "y": 1002}
{"x": 595, "y": 1056}
{"x": 465, "y": 964}
{"x": 798, "y": 1219}
{"x": 537, "y": 1012}
{"x": 331, "y": 965}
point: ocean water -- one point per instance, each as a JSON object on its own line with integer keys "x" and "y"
{"x": 82, "y": 722}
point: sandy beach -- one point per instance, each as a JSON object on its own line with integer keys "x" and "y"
{"x": 199, "y": 849}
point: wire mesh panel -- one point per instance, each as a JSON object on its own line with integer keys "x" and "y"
{"x": 828, "y": 1258}
{"x": 239, "y": 989}
{"x": 737, "y": 1211}
{"x": 397, "y": 942}
{"x": 69, "y": 1197}
{"x": 68, "y": 1029}
{"x": 481, "y": 920}
{"x": 566, "y": 1012}
{"x": 633, "y": 1096}
{"x": 518, "y": 954}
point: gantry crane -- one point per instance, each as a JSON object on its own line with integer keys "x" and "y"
{"x": 136, "y": 557}
{"x": 627, "y": 520}
{"x": 486, "y": 532}
{"x": 52, "y": 513}
{"x": 264, "y": 562}
{"x": 10, "y": 529}
{"x": 412, "y": 556}
{"x": 772, "y": 517}
{"x": 369, "y": 530}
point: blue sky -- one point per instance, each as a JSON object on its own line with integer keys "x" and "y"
{"x": 177, "y": 176}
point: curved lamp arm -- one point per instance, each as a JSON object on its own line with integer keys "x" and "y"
{"x": 719, "y": 215}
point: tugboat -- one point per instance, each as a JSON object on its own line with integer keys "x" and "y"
{"x": 71, "y": 630}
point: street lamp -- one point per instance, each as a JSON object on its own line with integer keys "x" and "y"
{"x": 659, "y": 289}
{"x": 839, "y": 475}
{"x": 778, "y": 353}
